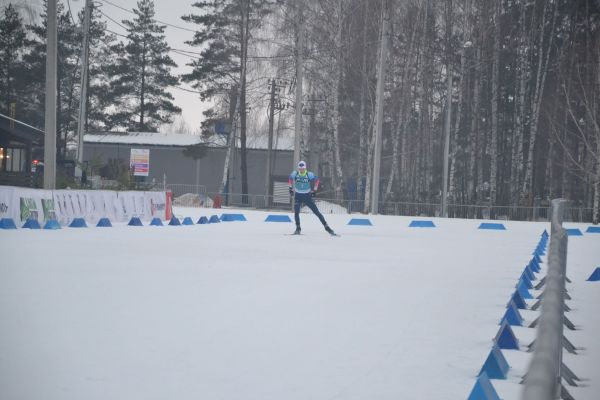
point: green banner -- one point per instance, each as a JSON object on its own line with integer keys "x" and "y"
{"x": 28, "y": 209}
{"x": 48, "y": 208}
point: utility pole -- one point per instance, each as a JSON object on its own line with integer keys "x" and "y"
{"x": 50, "y": 102}
{"x": 448, "y": 114}
{"x": 447, "y": 142}
{"x": 270, "y": 145}
{"x": 84, "y": 84}
{"x": 379, "y": 117}
{"x": 299, "y": 68}
{"x": 310, "y": 145}
{"x": 274, "y": 106}
{"x": 311, "y": 131}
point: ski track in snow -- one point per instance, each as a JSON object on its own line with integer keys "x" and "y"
{"x": 241, "y": 310}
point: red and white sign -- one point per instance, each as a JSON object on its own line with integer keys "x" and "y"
{"x": 139, "y": 161}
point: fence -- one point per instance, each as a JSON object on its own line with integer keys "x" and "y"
{"x": 544, "y": 377}
{"x": 196, "y": 196}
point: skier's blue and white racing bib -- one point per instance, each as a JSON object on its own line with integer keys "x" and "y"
{"x": 302, "y": 182}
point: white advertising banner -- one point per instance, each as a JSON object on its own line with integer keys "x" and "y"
{"x": 21, "y": 204}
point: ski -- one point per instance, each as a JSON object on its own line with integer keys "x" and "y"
{"x": 302, "y": 234}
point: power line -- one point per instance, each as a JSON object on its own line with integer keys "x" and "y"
{"x": 103, "y": 13}
{"x": 177, "y": 51}
{"x": 162, "y": 22}
{"x": 188, "y": 51}
{"x": 115, "y": 33}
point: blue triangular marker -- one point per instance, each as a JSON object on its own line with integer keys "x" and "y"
{"x": 104, "y": 223}
{"x": 495, "y": 365}
{"x": 595, "y": 275}
{"x": 78, "y": 223}
{"x": 593, "y": 229}
{"x": 135, "y": 221}
{"x": 187, "y": 221}
{"x": 7, "y": 223}
{"x": 527, "y": 271}
{"x": 505, "y": 338}
{"x": 519, "y": 301}
{"x": 534, "y": 266}
{"x": 483, "y": 389}
{"x": 574, "y": 232}
{"x": 156, "y": 222}
{"x": 174, "y": 221}
{"x": 32, "y": 223}
{"x": 214, "y": 219}
{"x": 278, "y": 218}
{"x": 52, "y": 224}
{"x": 360, "y": 221}
{"x": 421, "y": 224}
{"x": 525, "y": 278}
{"x": 203, "y": 220}
{"x": 512, "y": 315}
{"x": 232, "y": 217}
{"x": 540, "y": 250}
{"x": 490, "y": 225}
{"x": 522, "y": 289}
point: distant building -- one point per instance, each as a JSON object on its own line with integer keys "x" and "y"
{"x": 19, "y": 145}
{"x": 167, "y": 158}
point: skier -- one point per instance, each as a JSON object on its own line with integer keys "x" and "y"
{"x": 300, "y": 187}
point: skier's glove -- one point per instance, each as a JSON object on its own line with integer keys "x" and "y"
{"x": 313, "y": 193}
{"x": 291, "y": 191}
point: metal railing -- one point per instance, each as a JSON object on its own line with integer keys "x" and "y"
{"x": 543, "y": 378}
{"x": 262, "y": 202}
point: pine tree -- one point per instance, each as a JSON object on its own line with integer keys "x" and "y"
{"x": 100, "y": 96}
{"x": 142, "y": 74}
{"x": 224, "y": 30}
{"x": 34, "y": 74}
{"x": 12, "y": 42}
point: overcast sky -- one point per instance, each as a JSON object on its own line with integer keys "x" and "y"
{"x": 167, "y": 11}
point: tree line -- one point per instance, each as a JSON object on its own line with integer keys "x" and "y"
{"x": 128, "y": 74}
{"x": 524, "y": 97}
{"x": 524, "y": 79}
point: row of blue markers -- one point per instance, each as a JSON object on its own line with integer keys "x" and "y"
{"x": 495, "y": 365}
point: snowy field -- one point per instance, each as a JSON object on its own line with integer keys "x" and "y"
{"x": 239, "y": 310}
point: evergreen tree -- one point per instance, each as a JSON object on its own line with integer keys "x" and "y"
{"x": 220, "y": 73}
{"x": 142, "y": 74}
{"x": 100, "y": 96}
{"x": 68, "y": 77}
{"x": 12, "y": 42}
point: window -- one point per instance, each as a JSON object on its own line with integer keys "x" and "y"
{"x": 13, "y": 158}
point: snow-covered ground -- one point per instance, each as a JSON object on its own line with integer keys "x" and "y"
{"x": 240, "y": 310}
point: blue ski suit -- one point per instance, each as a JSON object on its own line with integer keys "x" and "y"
{"x": 304, "y": 187}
